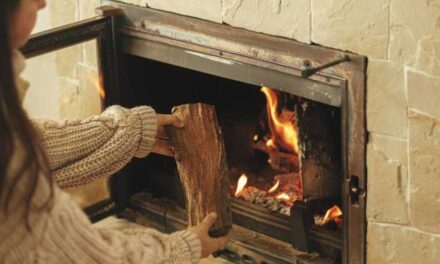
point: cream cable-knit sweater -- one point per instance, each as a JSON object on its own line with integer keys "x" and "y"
{"x": 81, "y": 152}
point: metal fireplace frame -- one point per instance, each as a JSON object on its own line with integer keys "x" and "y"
{"x": 241, "y": 55}
{"x": 278, "y": 63}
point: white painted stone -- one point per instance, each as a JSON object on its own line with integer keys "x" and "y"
{"x": 285, "y": 18}
{"x": 386, "y": 102}
{"x": 387, "y": 180}
{"x": 353, "y": 25}
{"x": 423, "y": 93}
{"x": 69, "y": 98}
{"x": 397, "y": 244}
{"x": 424, "y": 150}
{"x": 135, "y": 2}
{"x": 63, "y": 12}
{"x": 89, "y": 98}
{"x": 204, "y": 9}
{"x": 87, "y": 8}
{"x": 66, "y": 61}
{"x": 90, "y": 53}
{"x": 415, "y": 34}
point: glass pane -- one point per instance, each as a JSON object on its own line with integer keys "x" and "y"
{"x": 65, "y": 85}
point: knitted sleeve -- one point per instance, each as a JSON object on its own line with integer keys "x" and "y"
{"x": 69, "y": 235}
{"x": 82, "y": 151}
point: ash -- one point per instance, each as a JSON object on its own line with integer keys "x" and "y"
{"x": 263, "y": 198}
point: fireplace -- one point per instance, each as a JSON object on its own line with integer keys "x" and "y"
{"x": 166, "y": 60}
{"x": 174, "y": 60}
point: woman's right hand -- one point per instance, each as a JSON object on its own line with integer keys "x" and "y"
{"x": 208, "y": 243}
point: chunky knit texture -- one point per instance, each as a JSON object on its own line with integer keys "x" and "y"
{"x": 81, "y": 152}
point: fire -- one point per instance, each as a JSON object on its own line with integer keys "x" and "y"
{"x": 275, "y": 187}
{"x": 241, "y": 184}
{"x": 97, "y": 82}
{"x": 332, "y": 214}
{"x": 255, "y": 137}
{"x": 283, "y": 196}
{"x": 284, "y": 129}
{"x": 270, "y": 143}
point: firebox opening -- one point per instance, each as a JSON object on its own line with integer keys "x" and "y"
{"x": 289, "y": 151}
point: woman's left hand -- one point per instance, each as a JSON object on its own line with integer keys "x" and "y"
{"x": 163, "y": 144}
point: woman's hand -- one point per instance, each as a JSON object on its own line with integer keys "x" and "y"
{"x": 208, "y": 243}
{"x": 163, "y": 144}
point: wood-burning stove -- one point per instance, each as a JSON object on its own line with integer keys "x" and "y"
{"x": 160, "y": 59}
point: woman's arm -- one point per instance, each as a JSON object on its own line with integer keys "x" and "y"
{"x": 81, "y": 151}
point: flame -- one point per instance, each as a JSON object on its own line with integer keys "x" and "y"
{"x": 331, "y": 214}
{"x": 270, "y": 143}
{"x": 284, "y": 129}
{"x": 241, "y": 184}
{"x": 275, "y": 187}
{"x": 97, "y": 82}
{"x": 283, "y": 196}
{"x": 255, "y": 137}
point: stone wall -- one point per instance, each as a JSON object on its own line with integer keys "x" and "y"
{"x": 402, "y": 41}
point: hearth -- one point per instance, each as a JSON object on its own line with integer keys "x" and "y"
{"x": 293, "y": 120}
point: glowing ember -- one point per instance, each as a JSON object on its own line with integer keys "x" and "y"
{"x": 255, "y": 137}
{"x": 275, "y": 187}
{"x": 332, "y": 214}
{"x": 241, "y": 184}
{"x": 283, "y": 196}
{"x": 282, "y": 129}
{"x": 97, "y": 82}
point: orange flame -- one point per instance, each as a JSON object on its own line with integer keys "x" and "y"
{"x": 284, "y": 129}
{"x": 331, "y": 214}
{"x": 275, "y": 187}
{"x": 283, "y": 196}
{"x": 97, "y": 82}
{"x": 241, "y": 184}
{"x": 270, "y": 143}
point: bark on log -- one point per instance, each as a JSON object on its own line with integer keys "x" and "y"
{"x": 201, "y": 161}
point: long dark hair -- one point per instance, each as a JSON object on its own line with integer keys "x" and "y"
{"x": 16, "y": 131}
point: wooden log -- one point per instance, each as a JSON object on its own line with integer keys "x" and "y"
{"x": 201, "y": 161}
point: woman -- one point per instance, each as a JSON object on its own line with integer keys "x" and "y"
{"x": 39, "y": 222}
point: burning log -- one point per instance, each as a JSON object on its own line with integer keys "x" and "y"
{"x": 332, "y": 214}
{"x": 201, "y": 161}
{"x": 279, "y": 161}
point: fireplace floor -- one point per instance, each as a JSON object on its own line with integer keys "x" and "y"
{"x": 246, "y": 246}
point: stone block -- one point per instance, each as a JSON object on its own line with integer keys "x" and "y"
{"x": 398, "y": 244}
{"x": 354, "y": 25}
{"x": 204, "y": 9}
{"x": 387, "y": 180}
{"x": 423, "y": 93}
{"x": 136, "y": 2}
{"x": 87, "y": 8}
{"x": 63, "y": 12}
{"x": 69, "y": 98}
{"x": 90, "y": 101}
{"x": 91, "y": 193}
{"x": 386, "y": 102}
{"x": 386, "y": 244}
{"x": 424, "y": 173}
{"x": 289, "y": 19}
{"x": 415, "y": 34}
{"x": 66, "y": 61}
{"x": 90, "y": 53}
